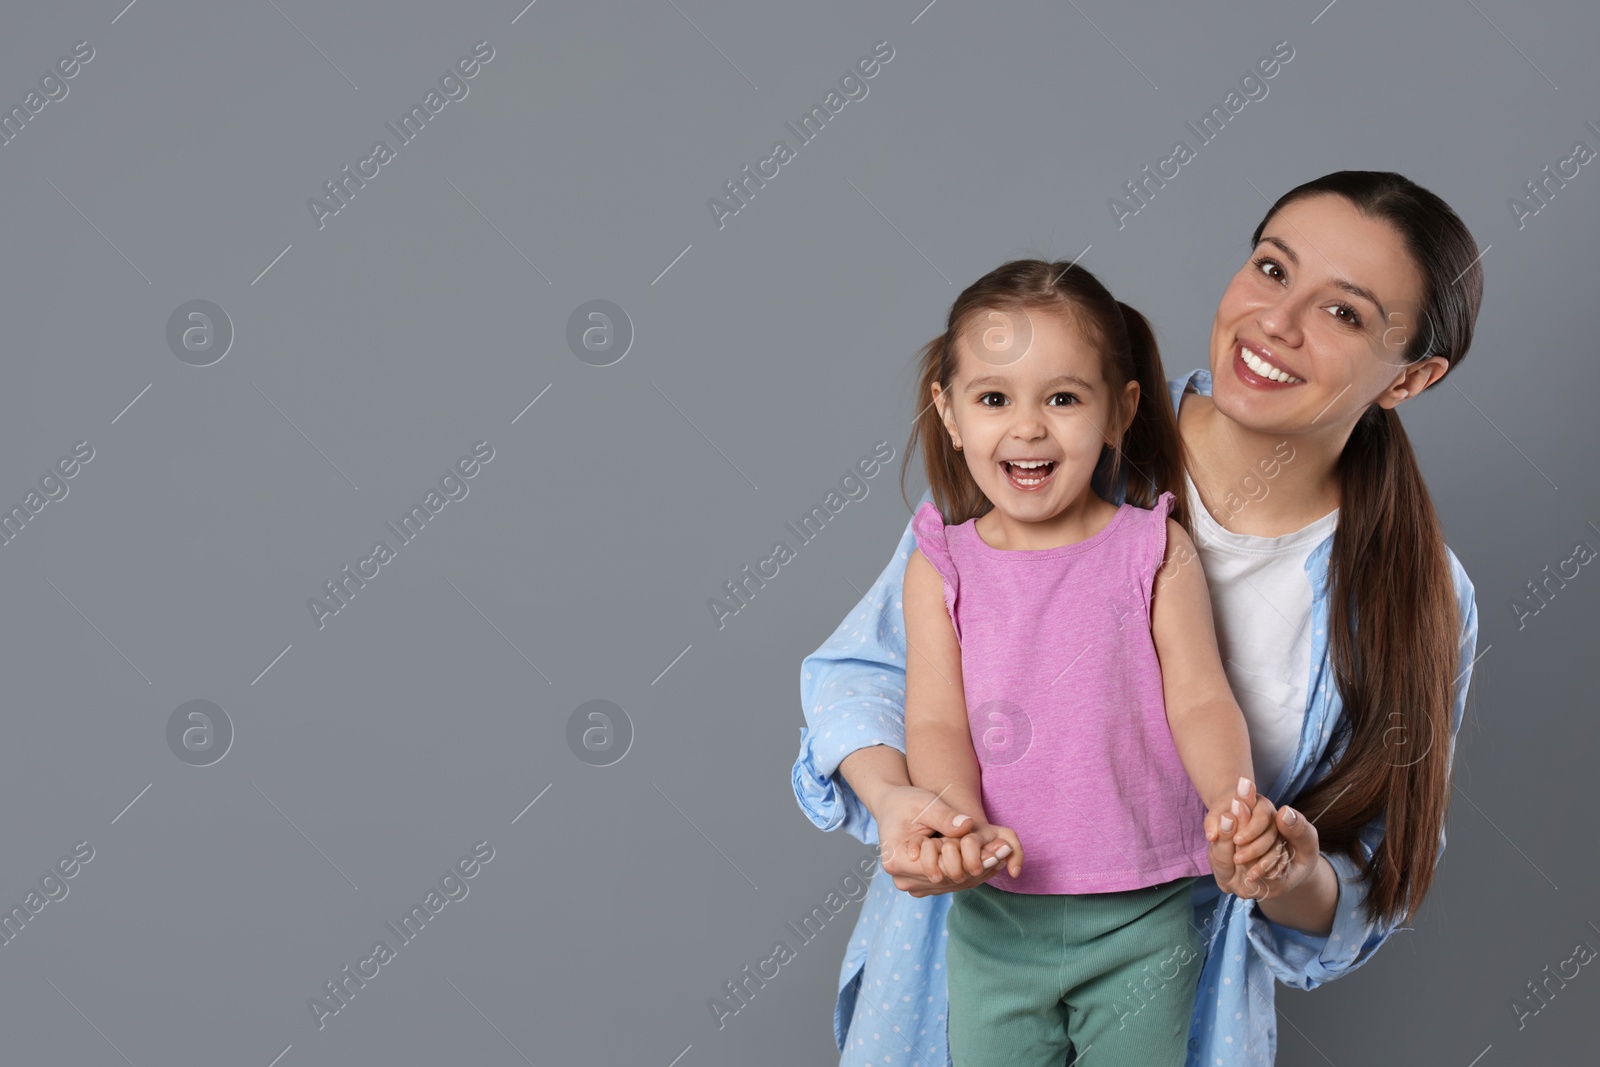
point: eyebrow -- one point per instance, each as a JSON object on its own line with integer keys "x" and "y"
{"x": 1348, "y": 286}
{"x": 1060, "y": 379}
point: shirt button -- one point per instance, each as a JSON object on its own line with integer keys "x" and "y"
{"x": 1194, "y": 1042}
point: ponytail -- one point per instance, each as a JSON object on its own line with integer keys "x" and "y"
{"x": 1152, "y": 447}
{"x": 1395, "y": 671}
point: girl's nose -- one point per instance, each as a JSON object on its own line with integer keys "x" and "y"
{"x": 1028, "y": 427}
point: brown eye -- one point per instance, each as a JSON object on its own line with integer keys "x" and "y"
{"x": 1266, "y": 265}
{"x": 1345, "y": 314}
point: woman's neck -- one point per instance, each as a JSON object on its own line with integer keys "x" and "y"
{"x": 1254, "y": 483}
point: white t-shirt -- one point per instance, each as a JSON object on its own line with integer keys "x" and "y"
{"x": 1261, "y": 603}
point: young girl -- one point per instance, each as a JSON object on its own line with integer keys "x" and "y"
{"x": 1064, "y": 646}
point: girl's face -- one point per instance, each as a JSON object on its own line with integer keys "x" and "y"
{"x": 1050, "y": 408}
{"x": 1314, "y": 326}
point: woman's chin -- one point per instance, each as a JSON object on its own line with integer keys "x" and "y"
{"x": 1248, "y": 408}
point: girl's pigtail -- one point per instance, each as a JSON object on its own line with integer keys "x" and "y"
{"x": 1151, "y": 450}
{"x": 955, "y": 494}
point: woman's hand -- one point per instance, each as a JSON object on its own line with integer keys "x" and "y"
{"x": 921, "y": 863}
{"x": 1250, "y": 861}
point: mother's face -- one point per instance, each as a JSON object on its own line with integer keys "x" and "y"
{"x": 1314, "y": 326}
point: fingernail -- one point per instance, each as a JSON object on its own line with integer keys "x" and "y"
{"x": 1289, "y": 815}
{"x": 1238, "y": 809}
{"x": 961, "y": 820}
{"x": 1002, "y": 852}
{"x": 1227, "y": 824}
{"x": 991, "y": 861}
{"x": 1244, "y": 787}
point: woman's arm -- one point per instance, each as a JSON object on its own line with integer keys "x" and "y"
{"x": 874, "y": 773}
{"x": 851, "y": 770}
{"x": 1310, "y": 907}
{"x": 852, "y": 691}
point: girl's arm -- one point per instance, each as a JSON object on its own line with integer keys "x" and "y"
{"x": 939, "y": 753}
{"x": 850, "y": 773}
{"x": 1207, "y": 726}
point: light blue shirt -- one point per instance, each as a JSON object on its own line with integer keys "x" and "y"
{"x": 891, "y": 1006}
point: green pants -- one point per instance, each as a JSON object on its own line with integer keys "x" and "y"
{"x": 1114, "y": 974}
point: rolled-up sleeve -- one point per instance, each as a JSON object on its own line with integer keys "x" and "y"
{"x": 1305, "y": 961}
{"x": 853, "y": 693}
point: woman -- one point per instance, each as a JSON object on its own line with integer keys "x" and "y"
{"x": 1361, "y": 291}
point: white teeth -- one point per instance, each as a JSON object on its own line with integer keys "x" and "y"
{"x": 1018, "y": 466}
{"x": 1265, "y": 369}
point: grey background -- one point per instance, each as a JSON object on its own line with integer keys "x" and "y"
{"x": 772, "y": 354}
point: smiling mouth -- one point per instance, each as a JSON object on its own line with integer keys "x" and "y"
{"x": 1261, "y": 369}
{"x": 1031, "y": 476}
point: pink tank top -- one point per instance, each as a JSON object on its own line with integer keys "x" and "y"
{"x": 1063, "y": 692}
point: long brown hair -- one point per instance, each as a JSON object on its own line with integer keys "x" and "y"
{"x": 1150, "y": 450}
{"x": 1393, "y": 619}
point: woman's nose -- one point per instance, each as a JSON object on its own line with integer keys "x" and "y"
{"x": 1281, "y": 320}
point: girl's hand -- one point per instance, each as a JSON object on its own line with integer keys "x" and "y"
{"x": 1002, "y": 845}
{"x": 908, "y": 817}
{"x": 1259, "y": 854}
{"x": 1231, "y": 822}
{"x": 1263, "y": 852}
{"x": 1241, "y": 830}
{"x": 976, "y": 855}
